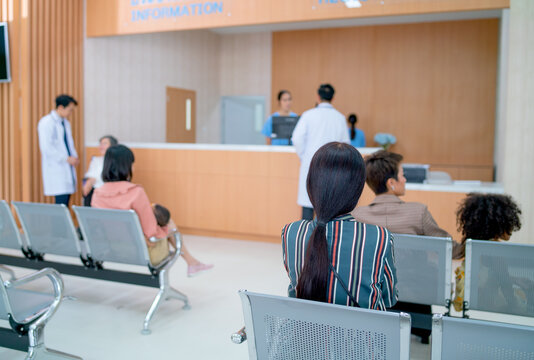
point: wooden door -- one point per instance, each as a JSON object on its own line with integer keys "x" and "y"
{"x": 181, "y": 115}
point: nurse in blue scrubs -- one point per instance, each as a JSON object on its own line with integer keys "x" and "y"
{"x": 357, "y": 137}
{"x": 284, "y": 106}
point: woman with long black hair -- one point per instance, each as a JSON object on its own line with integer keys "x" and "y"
{"x": 334, "y": 258}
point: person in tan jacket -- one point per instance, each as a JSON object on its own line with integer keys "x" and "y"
{"x": 386, "y": 178}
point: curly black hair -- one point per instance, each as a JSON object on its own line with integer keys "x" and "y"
{"x": 487, "y": 217}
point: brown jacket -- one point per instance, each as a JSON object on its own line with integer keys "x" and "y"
{"x": 399, "y": 217}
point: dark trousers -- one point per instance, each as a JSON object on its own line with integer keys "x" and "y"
{"x": 63, "y": 199}
{"x": 421, "y": 318}
{"x": 307, "y": 213}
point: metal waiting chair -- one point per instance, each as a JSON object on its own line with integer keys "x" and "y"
{"x": 424, "y": 266}
{"x": 295, "y": 329}
{"x": 499, "y": 278}
{"x": 49, "y": 229}
{"x": 28, "y": 312}
{"x": 10, "y": 236}
{"x": 117, "y": 236}
{"x": 457, "y": 338}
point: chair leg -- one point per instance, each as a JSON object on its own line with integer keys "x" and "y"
{"x": 42, "y": 352}
{"x": 165, "y": 292}
{"x": 169, "y": 291}
{"x": 175, "y": 294}
{"x": 151, "y": 311}
{"x": 37, "y": 349}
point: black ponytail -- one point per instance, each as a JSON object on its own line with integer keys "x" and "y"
{"x": 335, "y": 183}
{"x": 353, "y": 119}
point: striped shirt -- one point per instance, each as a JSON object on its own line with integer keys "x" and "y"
{"x": 362, "y": 255}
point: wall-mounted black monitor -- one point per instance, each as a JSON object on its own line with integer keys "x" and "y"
{"x": 5, "y": 74}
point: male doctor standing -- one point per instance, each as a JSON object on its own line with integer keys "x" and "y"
{"x": 58, "y": 155}
{"x": 316, "y": 127}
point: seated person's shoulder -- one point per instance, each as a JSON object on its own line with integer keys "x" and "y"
{"x": 373, "y": 230}
{"x": 414, "y": 206}
{"x": 292, "y": 228}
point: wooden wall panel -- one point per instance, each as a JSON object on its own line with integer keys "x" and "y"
{"x": 432, "y": 85}
{"x": 244, "y": 195}
{"x": 46, "y": 41}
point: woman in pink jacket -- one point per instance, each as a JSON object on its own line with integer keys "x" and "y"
{"x": 118, "y": 192}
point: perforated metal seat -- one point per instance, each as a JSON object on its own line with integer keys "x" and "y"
{"x": 10, "y": 236}
{"x": 456, "y": 338}
{"x": 49, "y": 229}
{"x": 28, "y": 312}
{"x": 294, "y": 329}
{"x": 116, "y": 235}
{"x": 499, "y": 277}
{"x": 423, "y": 265}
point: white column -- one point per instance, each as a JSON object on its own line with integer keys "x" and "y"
{"x": 518, "y": 144}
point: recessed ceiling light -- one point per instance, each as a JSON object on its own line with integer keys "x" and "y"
{"x": 353, "y": 4}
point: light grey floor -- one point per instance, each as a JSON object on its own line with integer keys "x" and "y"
{"x": 105, "y": 320}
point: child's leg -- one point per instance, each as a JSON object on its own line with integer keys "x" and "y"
{"x": 189, "y": 259}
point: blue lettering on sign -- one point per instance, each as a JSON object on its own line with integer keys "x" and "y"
{"x": 162, "y": 12}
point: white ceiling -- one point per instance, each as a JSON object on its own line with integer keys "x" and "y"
{"x": 383, "y": 20}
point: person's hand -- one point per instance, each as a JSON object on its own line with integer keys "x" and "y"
{"x": 73, "y": 160}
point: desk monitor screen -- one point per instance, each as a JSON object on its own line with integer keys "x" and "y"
{"x": 283, "y": 126}
{"x": 4, "y": 54}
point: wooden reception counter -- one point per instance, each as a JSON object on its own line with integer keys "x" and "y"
{"x": 249, "y": 191}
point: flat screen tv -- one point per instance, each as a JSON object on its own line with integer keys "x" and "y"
{"x": 5, "y": 74}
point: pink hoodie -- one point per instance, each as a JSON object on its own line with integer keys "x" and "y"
{"x": 123, "y": 195}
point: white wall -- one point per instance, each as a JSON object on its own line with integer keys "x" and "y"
{"x": 126, "y": 76}
{"x": 518, "y": 144}
{"x": 245, "y": 64}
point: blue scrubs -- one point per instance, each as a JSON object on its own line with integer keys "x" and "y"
{"x": 268, "y": 129}
{"x": 359, "y": 139}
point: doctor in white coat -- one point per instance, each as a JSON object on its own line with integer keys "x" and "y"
{"x": 58, "y": 154}
{"x": 316, "y": 127}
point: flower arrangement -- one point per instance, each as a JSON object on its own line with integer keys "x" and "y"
{"x": 385, "y": 140}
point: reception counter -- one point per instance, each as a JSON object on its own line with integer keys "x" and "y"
{"x": 250, "y": 191}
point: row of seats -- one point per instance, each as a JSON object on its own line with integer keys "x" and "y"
{"x": 294, "y": 329}
{"x": 107, "y": 236}
{"x": 499, "y": 277}
{"x": 286, "y": 328}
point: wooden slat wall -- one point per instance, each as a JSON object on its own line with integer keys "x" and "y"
{"x": 46, "y": 41}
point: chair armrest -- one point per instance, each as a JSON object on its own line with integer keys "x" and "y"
{"x": 8, "y": 271}
{"x": 174, "y": 255}
{"x": 57, "y": 282}
{"x": 178, "y": 239}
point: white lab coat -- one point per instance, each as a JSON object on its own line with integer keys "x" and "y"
{"x": 95, "y": 171}
{"x": 59, "y": 177}
{"x": 316, "y": 128}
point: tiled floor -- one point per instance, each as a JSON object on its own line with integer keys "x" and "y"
{"x": 105, "y": 320}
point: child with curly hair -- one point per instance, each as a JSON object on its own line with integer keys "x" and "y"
{"x": 490, "y": 217}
